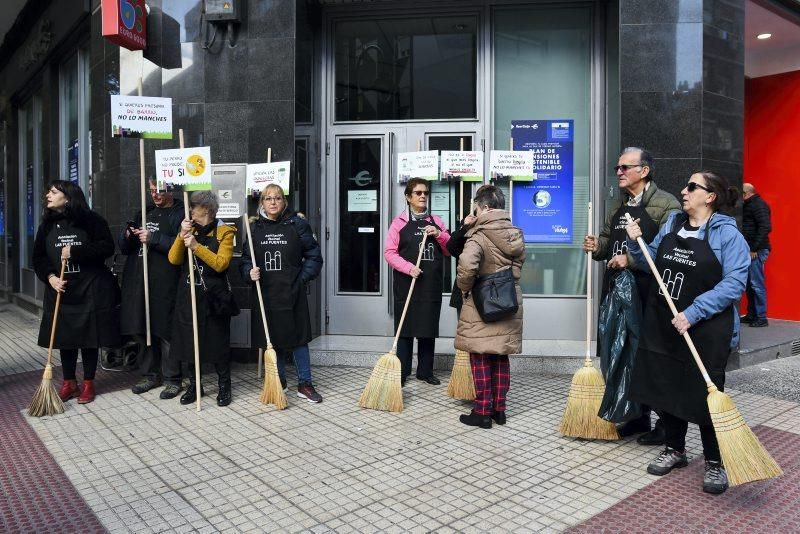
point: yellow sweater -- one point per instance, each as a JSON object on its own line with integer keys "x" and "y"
{"x": 219, "y": 261}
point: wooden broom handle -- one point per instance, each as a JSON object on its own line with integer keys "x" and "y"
{"x": 55, "y": 314}
{"x": 671, "y": 304}
{"x": 408, "y": 298}
{"x": 589, "y": 293}
{"x": 258, "y": 282}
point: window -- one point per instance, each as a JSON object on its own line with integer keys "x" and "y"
{"x": 30, "y": 175}
{"x": 75, "y": 154}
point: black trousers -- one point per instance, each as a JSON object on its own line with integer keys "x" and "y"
{"x": 223, "y": 372}
{"x": 425, "y": 347}
{"x": 156, "y": 361}
{"x": 675, "y": 429}
{"x": 69, "y": 362}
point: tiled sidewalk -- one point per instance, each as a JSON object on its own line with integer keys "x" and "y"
{"x": 146, "y": 465}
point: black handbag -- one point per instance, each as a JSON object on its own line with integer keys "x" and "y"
{"x": 495, "y": 296}
{"x": 219, "y": 297}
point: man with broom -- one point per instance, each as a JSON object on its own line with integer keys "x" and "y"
{"x": 163, "y": 224}
{"x": 641, "y": 197}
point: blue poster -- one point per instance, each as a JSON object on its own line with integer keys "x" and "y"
{"x": 2, "y": 206}
{"x": 73, "y": 161}
{"x": 543, "y": 208}
{"x": 29, "y": 201}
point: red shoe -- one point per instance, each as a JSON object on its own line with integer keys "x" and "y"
{"x": 68, "y": 390}
{"x": 87, "y": 394}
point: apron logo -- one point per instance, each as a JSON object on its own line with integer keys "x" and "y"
{"x": 197, "y": 280}
{"x": 674, "y": 284}
{"x": 620, "y": 248}
{"x": 427, "y": 255}
{"x": 71, "y": 268}
{"x": 272, "y": 261}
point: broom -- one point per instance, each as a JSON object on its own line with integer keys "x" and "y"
{"x": 461, "y": 385}
{"x": 384, "y": 390}
{"x": 744, "y": 457}
{"x": 272, "y": 392}
{"x": 580, "y": 418}
{"x": 46, "y": 400}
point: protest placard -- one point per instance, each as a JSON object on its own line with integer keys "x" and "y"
{"x": 143, "y": 117}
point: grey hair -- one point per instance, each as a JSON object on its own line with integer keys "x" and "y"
{"x": 206, "y": 199}
{"x": 490, "y": 196}
{"x": 645, "y": 159}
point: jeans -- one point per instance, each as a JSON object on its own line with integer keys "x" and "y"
{"x": 302, "y": 363}
{"x": 756, "y": 286}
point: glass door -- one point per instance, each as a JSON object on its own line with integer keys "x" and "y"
{"x": 30, "y": 186}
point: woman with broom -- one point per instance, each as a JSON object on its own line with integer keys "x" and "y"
{"x": 288, "y": 257}
{"x": 89, "y": 315}
{"x": 493, "y": 245}
{"x": 401, "y": 251}
{"x": 211, "y": 242}
{"x": 703, "y": 260}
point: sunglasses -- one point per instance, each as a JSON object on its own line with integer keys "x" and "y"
{"x": 692, "y": 186}
{"x": 420, "y": 193}
{"x": 625, "y": 168}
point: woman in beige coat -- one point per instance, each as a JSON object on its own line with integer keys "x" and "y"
{"x": 493, "y": 244}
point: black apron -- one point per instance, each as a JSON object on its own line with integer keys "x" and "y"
{"x": 422, "y": 318}
{"x": 665, "y": 375}
{"x": 617, "y": 244}
{"x": 214, "y": 332}
{"x": 163, "y": 285}
{"x": 279, "y": 255}
{"x": 88, "y": 316}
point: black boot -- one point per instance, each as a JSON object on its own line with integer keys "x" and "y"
{"x": 637, "y": 426}
{"x": 499, "y": 417}
{"x": 224, "y": 395}
{"x": 191, "y": 393}
{"x": 657, "y": 436}
{"x": 473, "y": 419}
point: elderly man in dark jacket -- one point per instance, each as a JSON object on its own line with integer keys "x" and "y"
{"x": 756, "y": 226}
{"x": 642, "y": 198}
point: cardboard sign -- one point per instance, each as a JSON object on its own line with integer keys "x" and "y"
{"x": 463, "y": 165}
{"x": 423, "y": 164}
{"x": 511, "y": 165}
{"x": 144, "y": 117}
{"x": 260, "y": 175}
{"x": 125, "y": 23}
{"x": 184, "y": 167}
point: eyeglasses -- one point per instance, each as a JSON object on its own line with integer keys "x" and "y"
{"x": 420, "y": 193}
{"x": 625, "y": 168}
{"x": 272, "y": 199}
{"x": 691, "y": 186}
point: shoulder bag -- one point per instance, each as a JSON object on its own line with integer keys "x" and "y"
{"x": 495, "y": 296}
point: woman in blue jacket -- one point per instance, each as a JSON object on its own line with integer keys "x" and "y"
{"x": 703, "y": 260}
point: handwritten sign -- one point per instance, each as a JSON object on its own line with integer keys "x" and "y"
{"x": 260, "y": 175}
{"x": 145, "y": 117}
{"x": 464, "y": 165}
{"x": 423, "y": 164}
{"x": 511, "y": 165}
{"x": 184, "y": 167}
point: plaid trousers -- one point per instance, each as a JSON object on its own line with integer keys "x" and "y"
{"x": 492, "y": 377}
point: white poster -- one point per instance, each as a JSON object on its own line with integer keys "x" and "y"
{"x": 145, "y": 117}
{"x": 260, "y": 175}
{"x": 186, "y": 167}
{"x": 423, "y": 164}
{"x": 514, "y": 165}
{"x": 362, "y": 200}
{"x": 229, "y": 210}
{"x": 464, "y": 165}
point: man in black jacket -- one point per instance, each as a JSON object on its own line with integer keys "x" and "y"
{"x": 756, "y": 226}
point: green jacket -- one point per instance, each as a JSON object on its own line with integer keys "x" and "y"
{"x": 657, "y": 203}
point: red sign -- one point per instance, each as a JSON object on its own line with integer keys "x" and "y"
{"x": 125, "y": 23}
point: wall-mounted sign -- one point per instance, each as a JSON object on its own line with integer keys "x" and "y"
{"x": 125, "y": 23}
{"x": 145, "y": 117}
{"x": 511, "y": 165}
{"x": 543, "y": 207}
{"x": 72, "y": 161}
{"x": 185, "y": 167}
{"x": 464, "y": 165}
{"x": 423, "y": 164}
{"x": 362, "y": 200}
{"x": 260, "y": 175}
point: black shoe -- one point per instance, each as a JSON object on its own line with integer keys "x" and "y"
{"x": 637, "y": 426}
{"x": 191, "y": 394}
{"x": 473, "y": 419}
{"x": 170, "y": 391}
{"x": 746, "y": 318}
{"x": 759, "y": 323}
{"x": 657, "y": 436}
{"x": 499, "y": 417}
{"x": 432, "y": 380}
{"x": 224, "y": 395}
{"x": 666, "y": 461}
{"x": 144, "y": 385}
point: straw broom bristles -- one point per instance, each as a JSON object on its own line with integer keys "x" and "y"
{"x": 461, "y": 385}
{"x": 46, "y": 400}
{"x": 383, "y": 390}
{"x": 580, "y": 418}
{"x": 743, "y": 456}
{"x": 272, "y": 392}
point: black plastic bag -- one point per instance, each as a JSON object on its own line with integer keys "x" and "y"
{"x": 617, "y": 340}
